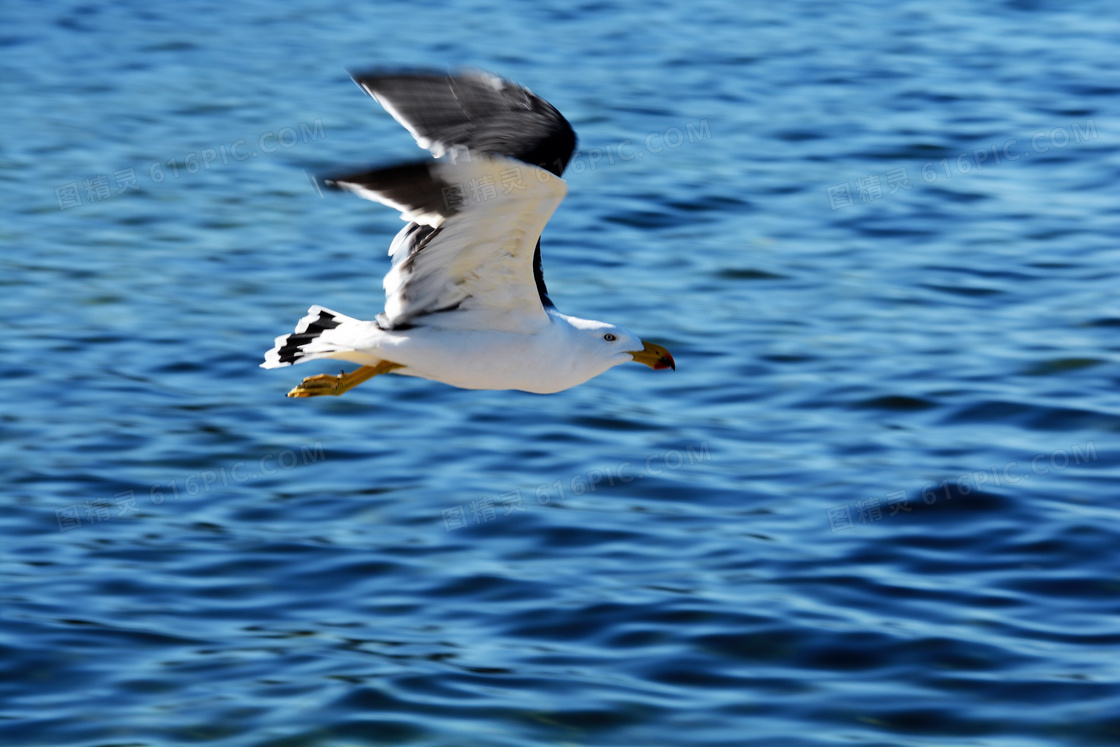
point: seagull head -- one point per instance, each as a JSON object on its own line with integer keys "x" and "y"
{"x": 609, "y": 345}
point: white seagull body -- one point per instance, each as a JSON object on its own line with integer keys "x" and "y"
{"x": 466, "y": 302}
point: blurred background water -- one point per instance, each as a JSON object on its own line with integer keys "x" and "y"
{"x": 875, "y": 505}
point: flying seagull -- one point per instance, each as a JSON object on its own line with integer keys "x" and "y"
{"x": 465, "y": 299}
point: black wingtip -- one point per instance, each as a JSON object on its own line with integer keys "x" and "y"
{"x": 415, "y": 185}
{"x": 322, "y": 182}
{"x": 368, "y": 78}
{"x": 476, "y": 109}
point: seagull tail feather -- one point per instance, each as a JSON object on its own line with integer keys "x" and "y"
{"x": 309, "y": 342}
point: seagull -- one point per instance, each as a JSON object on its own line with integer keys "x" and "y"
{"x": 465, "y": 298}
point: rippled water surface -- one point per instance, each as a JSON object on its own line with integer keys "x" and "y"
{"x": 876, "y": 504}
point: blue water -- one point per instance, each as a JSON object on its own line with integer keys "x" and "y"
{"x": 876, "y": 504}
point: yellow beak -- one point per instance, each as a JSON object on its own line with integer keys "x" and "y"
{"x": 654, "y": 356}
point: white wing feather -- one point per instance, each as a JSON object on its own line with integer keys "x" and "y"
{"x": 479, "y": 262}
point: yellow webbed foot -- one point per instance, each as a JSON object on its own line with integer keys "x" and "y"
{"x": 319, "y": 386}
{"x": 326, "y": 384}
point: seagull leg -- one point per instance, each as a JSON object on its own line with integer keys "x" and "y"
{"x": 323, "y": 384}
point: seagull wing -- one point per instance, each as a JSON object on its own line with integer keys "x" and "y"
{"x": 466, "y": 259}
{"x": 475, "y": 111}
{"x": 473, "y": 241}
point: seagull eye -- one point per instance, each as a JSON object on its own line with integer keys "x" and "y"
{"x": 609, "y": 337}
